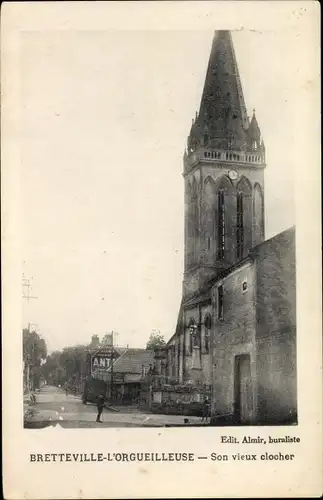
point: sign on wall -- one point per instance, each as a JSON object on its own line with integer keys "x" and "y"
{"x": 102, "y": 361}
{"x": 99, "y": 362}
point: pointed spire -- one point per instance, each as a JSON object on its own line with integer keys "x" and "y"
{"x": 222, "y": 105}
{"x": 254, "y": 130}
{"x": 222, "y": 116}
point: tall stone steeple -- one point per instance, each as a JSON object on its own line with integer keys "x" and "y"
{"x": 222, "y": 121}
{"x": 223, "y": 170}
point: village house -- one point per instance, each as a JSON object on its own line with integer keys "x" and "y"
{"x": 130, "y": 366}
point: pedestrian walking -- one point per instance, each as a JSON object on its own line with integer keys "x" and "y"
{"x": 100, "y": 406}
{"x": 205, "y": 410}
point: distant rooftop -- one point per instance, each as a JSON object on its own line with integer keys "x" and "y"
{"x": 132, "y": 360}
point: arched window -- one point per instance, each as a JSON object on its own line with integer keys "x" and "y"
{"x": 195, "y": 228}
{"x": 221, "y": 224}
{"x": 192, "y": 331}
{"x": 258, "y": 215}
{"x": 240, "y": 232}
{"x": 206, "y": 139}
{"x": 207, "y": 332}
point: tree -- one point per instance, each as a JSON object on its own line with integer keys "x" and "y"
{"x": 66, "y": 366}
{"x": 51, "y": 368}
{"x": 34, "y": 353}
{"x": 155, "y": 339}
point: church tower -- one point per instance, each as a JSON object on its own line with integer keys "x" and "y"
{"x": 223, "y": 174}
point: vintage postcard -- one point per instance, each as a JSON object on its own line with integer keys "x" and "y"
{"x": 161, "y": 250}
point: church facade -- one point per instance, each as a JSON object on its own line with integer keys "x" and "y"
{"x": 236, "y": 329}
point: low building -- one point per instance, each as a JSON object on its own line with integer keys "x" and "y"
{"x": 127, "y": 373}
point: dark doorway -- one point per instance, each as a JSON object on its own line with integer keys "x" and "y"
{"x": 242, "y": 389}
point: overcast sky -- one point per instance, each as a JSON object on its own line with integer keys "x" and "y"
{"x": 105, "y": 117}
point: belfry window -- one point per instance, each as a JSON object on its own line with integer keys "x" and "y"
{"x": 195, "y": 229}
{"x": 207, "y": 333}
{"x": 240, "y": 235}
{"x": 220, "y": 302}
{"x": 221, "y": 224}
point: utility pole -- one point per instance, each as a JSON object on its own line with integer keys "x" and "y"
{"x": 26, "y": 288}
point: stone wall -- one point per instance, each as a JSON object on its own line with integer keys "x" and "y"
{"x": 181, "y": 400}
{"x": 234, "y": 335}
{"x": 276, "y": 329}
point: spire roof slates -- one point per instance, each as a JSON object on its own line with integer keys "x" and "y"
{"x": 222, "y": 121}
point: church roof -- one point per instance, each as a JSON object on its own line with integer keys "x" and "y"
{"x": 283, "y": 239}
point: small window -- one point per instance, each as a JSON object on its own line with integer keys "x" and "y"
{"x": 208, "y": 243}
{"x": 220, "y": 302}
{"x": 244, "y": 286}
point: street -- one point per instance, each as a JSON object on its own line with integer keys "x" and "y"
{"x": 54, "y": 407}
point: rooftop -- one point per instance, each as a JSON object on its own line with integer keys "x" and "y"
{"x": 132, "y": 360}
